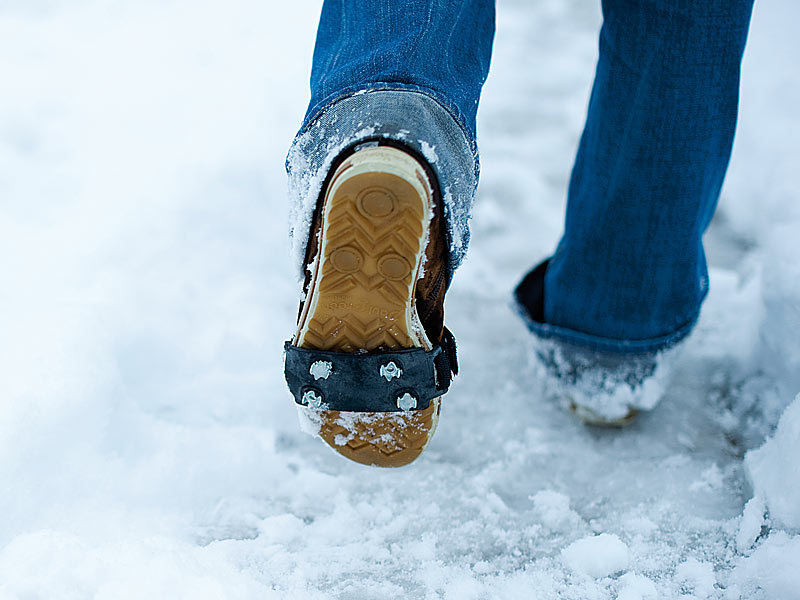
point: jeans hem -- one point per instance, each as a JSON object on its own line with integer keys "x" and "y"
{"x": 572, "y": 337}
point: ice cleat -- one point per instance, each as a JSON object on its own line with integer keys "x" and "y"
{"x": 371, "y": 358}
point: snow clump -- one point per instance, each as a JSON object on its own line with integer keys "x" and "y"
{"x": 774, "y": 470}
{"x": 597, "y": 556}
{"x": 637, "y": 587}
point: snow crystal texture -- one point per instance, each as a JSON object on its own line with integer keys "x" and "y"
{"x": 148, "y": 446}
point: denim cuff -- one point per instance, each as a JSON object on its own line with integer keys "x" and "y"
{"x": 529, "y": 302}
{"x": 407, "y": 114}
{"x": 588, "y": 341}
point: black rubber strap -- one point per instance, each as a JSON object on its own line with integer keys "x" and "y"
{"x": 396, "y": 381}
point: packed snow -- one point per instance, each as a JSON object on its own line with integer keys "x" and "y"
{"x": 148, "y": 446}
{"x": 774, "y": 471}
{"x": 597, "y": 556}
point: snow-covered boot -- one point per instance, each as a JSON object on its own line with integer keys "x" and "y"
{"x": 600, "y": 387}
{"x": 371, "y": 357}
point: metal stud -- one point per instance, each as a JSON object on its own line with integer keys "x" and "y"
{"x": 390, "y": 370}
{"x": 321, "y": 369}
{"x": 312, "y": 400}
{"x": 406, "y": 402}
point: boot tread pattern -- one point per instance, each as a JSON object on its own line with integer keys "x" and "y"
{"x": 373, "y": 233}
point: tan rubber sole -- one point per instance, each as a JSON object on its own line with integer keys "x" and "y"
{"x": 590, "y": 418}
{"x": 374, "y": 229}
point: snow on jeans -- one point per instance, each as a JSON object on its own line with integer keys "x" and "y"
{"x": 629, "y": 274}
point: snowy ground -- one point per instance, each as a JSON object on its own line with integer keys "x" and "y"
{"x": 148, "y": 448}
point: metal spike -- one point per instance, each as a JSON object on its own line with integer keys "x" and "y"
{"x": 312, "y": 399}
{"x": 390, "y": 370}
{"x": 321, "y": 369}
{"x": 406, "y": 402}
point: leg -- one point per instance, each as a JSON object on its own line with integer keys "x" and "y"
{"x": 658, "y": 136}
{"x": 383, "y": 171}
{"x": 629, "y": 275}
{"x": 422, "y": 65}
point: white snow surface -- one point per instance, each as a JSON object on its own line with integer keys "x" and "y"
{"x": 597, "y": 555}
{"x": 148, "y": 446}
{"x": 774, "y": 470}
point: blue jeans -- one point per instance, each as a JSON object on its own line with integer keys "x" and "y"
{"x": 629, "y": 274}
